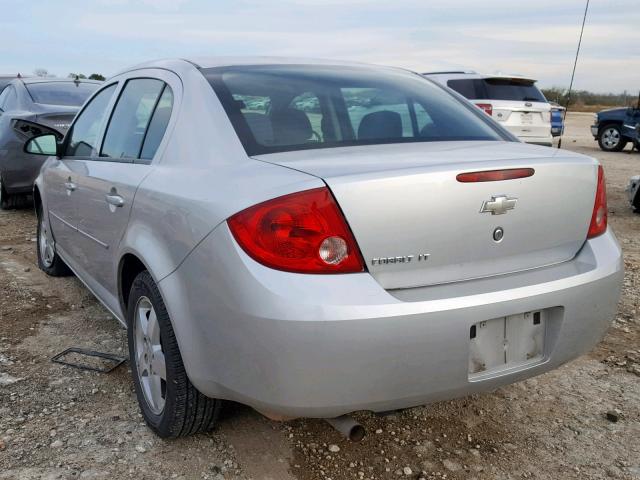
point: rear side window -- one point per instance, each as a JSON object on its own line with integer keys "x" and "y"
{"x": 278, "y": 108}
{"x": 497, "y": 89}
{"x": 68, "y": 94}
{"x": 130, "y": 119}
{"x": 85, "y": 130}
{"x": 158, "y": 124}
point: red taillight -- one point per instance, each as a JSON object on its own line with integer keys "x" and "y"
{"x": 495, "y": 175}
{"x": 486, "y": 107}
{"x": 600, "y": 213}
{"x": 303, "y": 232}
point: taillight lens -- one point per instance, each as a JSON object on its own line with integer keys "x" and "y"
{"x": 599, "y": 216}
{"x": 487, "y": 107}
{"x": 303, "y": 232}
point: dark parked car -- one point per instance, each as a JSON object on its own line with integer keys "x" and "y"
{"x": 52, "y": 104}
{"x": 616, "y": 127}
{"x": 6, "y": 80}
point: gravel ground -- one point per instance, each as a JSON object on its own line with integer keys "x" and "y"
{"x": 60, "y": 423}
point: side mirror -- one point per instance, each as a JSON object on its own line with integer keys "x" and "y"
{"x": 46, "y": 144}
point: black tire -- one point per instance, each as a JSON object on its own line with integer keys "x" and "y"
{"x": 55, "y": 267}
{"x": 605, "y": 144}
{"x": 186, "y": 411}
{"x": 6, "y": 200}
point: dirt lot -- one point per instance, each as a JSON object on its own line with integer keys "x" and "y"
{"x": 58, "y": 422}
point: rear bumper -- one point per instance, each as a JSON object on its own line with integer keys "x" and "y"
{"x": 322, "y": 346}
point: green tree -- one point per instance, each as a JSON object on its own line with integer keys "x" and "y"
{"x": 96, "y": 76}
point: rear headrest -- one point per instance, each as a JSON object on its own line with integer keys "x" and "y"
{"x": 290, "y": 127}
{"x": 260, "y": 126}
{"x": 382, "y": 124}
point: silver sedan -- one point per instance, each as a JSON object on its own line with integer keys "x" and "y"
{"x": 313, "y": 238}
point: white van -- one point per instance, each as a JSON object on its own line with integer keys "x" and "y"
{"x": 514, "y": 101}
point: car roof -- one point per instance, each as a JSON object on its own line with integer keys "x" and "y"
{"x": 179, "y": 64}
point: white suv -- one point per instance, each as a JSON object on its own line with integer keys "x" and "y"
{"x": 514, "y": 101}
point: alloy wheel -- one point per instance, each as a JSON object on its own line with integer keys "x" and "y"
{"x": 46, "y": 250}
{"x": 149, "y": 356}
{"x": 611, "y": 138}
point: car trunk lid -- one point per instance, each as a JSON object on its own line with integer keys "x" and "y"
{"x": 417, "y": 225}
{"x": 59, "y": 119}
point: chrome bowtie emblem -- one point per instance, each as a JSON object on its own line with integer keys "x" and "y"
{"x": 498, "y": 205}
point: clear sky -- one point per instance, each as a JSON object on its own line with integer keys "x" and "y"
{"x": 535, "y": 38}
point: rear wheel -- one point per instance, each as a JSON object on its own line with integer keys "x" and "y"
{"x": 6, "y": 201}
{"x": 610, "y": 139}
{"x": 9, "y": 201}
{"x": 169, "y": 402}
{"x": 48, "y": 260}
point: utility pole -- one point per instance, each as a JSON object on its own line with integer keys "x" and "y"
{"x": 573, "y": 74}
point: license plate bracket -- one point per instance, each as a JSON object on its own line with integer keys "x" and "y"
{"x": 507, "y": 342}
{"x": 526, "y": 118}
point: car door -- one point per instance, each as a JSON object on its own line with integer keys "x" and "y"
{"x": 108, "y": 183}
{"x": 60, "y": 177}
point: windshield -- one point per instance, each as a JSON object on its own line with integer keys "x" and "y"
{"x": 69, "y": 94}
{"x": 278, "y": 108}
{"x": 498, "y": 89}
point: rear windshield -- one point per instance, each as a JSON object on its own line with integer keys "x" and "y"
{"x": 4, "y": 82}
{"x": 69, "y": 94}
{"x": 277, "y": 108}
{"x": 497, "y": 89}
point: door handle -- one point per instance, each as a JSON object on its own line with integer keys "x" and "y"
{"x": 115, "y": 200}
{"x": 70, "y": 186}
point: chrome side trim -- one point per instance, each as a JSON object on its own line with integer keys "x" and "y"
{"x": 91, "y": 237}
{"x": 53, "y": 214}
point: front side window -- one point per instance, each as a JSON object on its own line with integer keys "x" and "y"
{"x": 68, "y": 94}
{"x": 130, "y": 119}
{"x": 277, "y": 108}
{"x": 86, "y": 128}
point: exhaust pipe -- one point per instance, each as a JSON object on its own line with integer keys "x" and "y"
{"x": 348, "y": 427}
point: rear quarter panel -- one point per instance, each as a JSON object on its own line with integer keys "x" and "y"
{"x": 18, "y": 169}
{"x": 200, "y": 177}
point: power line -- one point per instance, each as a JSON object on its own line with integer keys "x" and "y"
{"x": 573, "y": 74}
